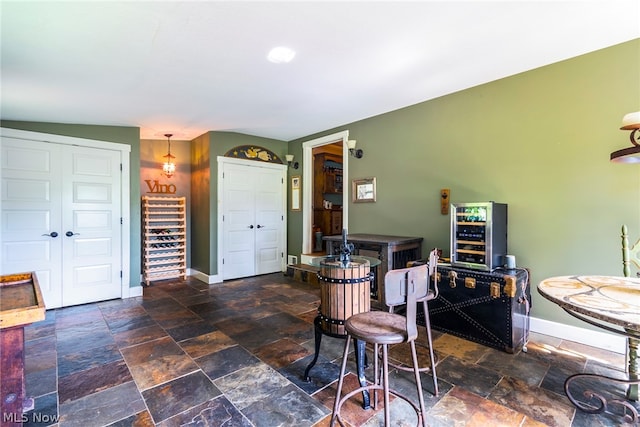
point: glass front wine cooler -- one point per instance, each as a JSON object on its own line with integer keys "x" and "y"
{"x": 478, "y": 235}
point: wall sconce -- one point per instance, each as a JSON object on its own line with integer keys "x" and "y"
{"x": 169, "y": 167}
{"x": 631, "y": 154}
{"x": 351, "y": 145}
{"x": 290, "y": 162}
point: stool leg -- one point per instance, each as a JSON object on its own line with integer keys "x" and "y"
{"x": 427, "y": 323}
{"x": 376, "y": 374}
{"x": 340, "y": 381}
{"x": 416, "y": 371}
{"x": 385, "y": 384}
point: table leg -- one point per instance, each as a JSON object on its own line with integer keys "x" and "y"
{"x": 318, "y": 340}
{"x": 633, "y": 354}
{"x": 360, "y": 362}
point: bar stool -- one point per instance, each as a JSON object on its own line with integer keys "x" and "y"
{"x": 383, "y": 329}
{"x": 431, "y": 295}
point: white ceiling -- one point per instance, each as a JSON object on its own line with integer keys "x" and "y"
{"x": 193, "y": 66}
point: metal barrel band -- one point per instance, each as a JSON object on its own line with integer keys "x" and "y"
{"x": 367, "y": 278}
{"x": 331, "y": 321}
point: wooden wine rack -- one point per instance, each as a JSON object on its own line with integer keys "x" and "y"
{"x": 164, "y": 235}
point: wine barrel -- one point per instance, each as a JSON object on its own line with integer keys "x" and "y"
{"x": 344, "y": 291}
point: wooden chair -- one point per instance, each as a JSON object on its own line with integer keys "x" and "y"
{"x": 406, "y": 286}
{"x": 629, "y": 255}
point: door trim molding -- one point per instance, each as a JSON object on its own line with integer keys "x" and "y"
{"x": 307, "y": 184}
{"x": 125, "y": 251}
{"x": 256, "y": 164}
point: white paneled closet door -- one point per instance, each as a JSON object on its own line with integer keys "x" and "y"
{"x": 253, "y": 218}
{"x": 61, "y": 217}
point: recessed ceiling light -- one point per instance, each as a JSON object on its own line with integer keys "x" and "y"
{"x": 281, "y": 55}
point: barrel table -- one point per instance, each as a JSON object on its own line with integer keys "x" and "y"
{"x": 345, "y": 290}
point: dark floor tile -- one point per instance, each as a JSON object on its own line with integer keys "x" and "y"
{"x": 472, "y": 377}
{"x": 215, "y": 412}
{"x": 521, "y": 366}
{"x": 251, "y": 384}
{"x": 41, "y": 382}
{"x": 141, "y": 419}
{"x": 102, "y": 408}
{"x": 87, "y": 359}
{"x": 83, "y": 383}
{"x": 40, "y": 354}
{"x": 175, "y": 319}
{"x": 323, "y": 373}
{"x": 460, "y": 348}
{"x": 277, "y": 409}
{"x": 138, "y": 336}
{"x": 157, "y": 361}
{"x": 206, "y": 344}
{"x": 129, "y": 323}
{"x": 191, "y": 330}
{"x": 82, "y": 337}
{"x": 226, "y": 361}
{"x": 256, "y": 337}
{"x": 179, "y": 395}
{"x": 281, "y": 353}
{"x": 39, "y": 330}
{"x": 537, "y": 403}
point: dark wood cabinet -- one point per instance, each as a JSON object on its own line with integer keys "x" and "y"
{"x": 393, "y": 251}
{"x": 327, "y": 186}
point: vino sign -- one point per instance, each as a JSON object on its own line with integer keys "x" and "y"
{"x": 156, "y": 188}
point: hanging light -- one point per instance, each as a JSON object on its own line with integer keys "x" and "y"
{"x": 631, "y": 154}
{"x": 169, "y": 167}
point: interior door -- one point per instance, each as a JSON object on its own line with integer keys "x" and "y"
{"x": 238, "y": 222}
{"x": 61, "y": 215}
{"x": 253, "y": 220}
{"x": 32, "y": 214}
{"x": 269, "y": 220}
{"x": 91, "y": 225}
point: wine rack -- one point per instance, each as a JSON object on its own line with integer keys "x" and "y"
{"x": 164, "y": 235}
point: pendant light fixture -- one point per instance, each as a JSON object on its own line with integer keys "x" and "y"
{"x": 169, "y": 167}
{"x": 631, "y": 154}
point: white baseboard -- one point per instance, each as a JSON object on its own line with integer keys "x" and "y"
{"x": 135, "y": 291}
{"x": 206, "y": 278}
{"x": 598, "y": 339}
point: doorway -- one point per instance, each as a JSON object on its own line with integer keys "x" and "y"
{"x": 308, "y": 234}
{"x": 328, "y": 189}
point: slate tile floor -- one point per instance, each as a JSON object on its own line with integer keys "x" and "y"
{"x": 233, "y": 354}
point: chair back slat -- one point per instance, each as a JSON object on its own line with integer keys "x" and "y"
{"x": 411, "y": 284}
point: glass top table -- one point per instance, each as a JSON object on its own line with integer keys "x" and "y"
{"x": 329, "y": 260}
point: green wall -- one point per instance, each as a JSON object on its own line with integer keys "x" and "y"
{"x": 539, "y": 141}
{"x": 117, "y": 134}
{"x": 204, "y": 214}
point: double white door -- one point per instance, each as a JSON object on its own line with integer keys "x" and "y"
{"x": 253, "y": 219}
{"x": 61, "y": 217}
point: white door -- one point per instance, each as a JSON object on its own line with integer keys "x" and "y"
{"x": 61, "y": 214}
{"x": 253, "y": 219}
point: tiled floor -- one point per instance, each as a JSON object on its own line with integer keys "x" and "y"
{"x": 233, "y": 354}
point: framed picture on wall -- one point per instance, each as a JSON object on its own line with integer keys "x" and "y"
{"x": 295, "y": 193}
{"x": 363, "y": 190}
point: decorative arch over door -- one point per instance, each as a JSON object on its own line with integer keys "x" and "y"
{"x": 253, "y": 152}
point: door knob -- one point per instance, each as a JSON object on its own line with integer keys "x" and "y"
{"x": 251, "y": 226}
{"x": 52, "y": 234}
{"x": 71, "y": 233}
{"x": 260, "y": 226}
